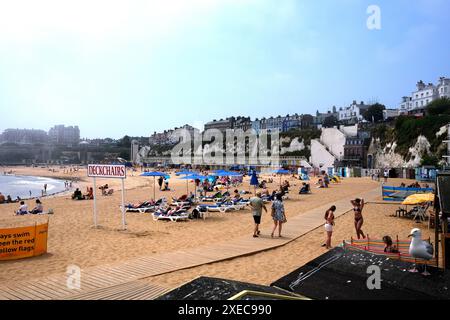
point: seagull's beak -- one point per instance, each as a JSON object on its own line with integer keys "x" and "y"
{"x": 409, "y": 236}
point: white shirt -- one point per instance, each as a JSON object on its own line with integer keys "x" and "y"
{"x": 23, "y": 208}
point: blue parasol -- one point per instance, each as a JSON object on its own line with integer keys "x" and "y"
{"x": 154, "y": 174}
{"x": 281, "y": 172}
{"x": 193, "y": 177}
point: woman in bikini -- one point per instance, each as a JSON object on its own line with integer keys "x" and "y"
{"x": 358, "y": 206}
{"x": 329, "y": 223}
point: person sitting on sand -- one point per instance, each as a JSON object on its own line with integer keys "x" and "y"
{"x": 23, "y": 209}
{"x": 2, "y": 198}
{"x": 305, "y": 189}
{"x": 326, "y": 180}
{"x": 90, "y": 193}
{"x": 77, "y": 195}
{"x": 9, "y": 199}
{"x": 39, "y": 207}
{"x": 320, "y": 184}
{"x": 166, "y": 185}
{"x": 389, "y": 247}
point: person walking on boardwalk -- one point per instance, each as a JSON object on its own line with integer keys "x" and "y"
{"x": 257, "y": 205}
{"x": 278, "y": 214}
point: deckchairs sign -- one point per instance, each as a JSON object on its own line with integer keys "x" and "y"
{"x": 107, "y": 171}
{"x": 23, "y": 242}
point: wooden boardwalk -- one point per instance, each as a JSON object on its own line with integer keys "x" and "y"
{"x": 121, "y": 280}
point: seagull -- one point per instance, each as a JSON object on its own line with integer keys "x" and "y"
{"x": 420, "y": 249}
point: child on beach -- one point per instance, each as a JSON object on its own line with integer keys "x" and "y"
{"x": 389, "y": 247}
{"x": 358, "y": 206}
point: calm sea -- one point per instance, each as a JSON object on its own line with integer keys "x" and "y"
{"x": 22, "y": 185}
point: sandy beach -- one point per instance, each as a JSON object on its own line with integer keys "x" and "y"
{"x": 73, "y": 240}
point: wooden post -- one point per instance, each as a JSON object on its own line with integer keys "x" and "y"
{"x": 95, "y": 202}
{"x": 436, "y": 234}
{"x": 124, "y": 223}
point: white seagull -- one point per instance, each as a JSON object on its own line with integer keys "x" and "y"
{"x": 420, "y": 249}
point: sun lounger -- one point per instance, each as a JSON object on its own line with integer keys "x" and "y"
{"x": 223, "y": 207}
{"x": 172, "y": 217}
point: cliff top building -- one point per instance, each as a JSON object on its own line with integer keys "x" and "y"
{"x": 24, "y": 136}
{"x": 425, "y": 94}
{"x": 63, "y": 135}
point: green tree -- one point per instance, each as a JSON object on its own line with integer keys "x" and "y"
{"x": 330, "y": 122}
{"x": 430, "y": 160}
{"x": 439, "y": 106}
{"x": 124, "y": 142}
{"x": 374, "y": 113}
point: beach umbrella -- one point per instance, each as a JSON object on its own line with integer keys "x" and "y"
{"x": 193, "y": 177}
{"x": 418, "y": 198}
{"x": 281, "y": 172}
{"x": 223, "y": 173}
{"x": 254, "y": 180}
{"x": 185, "y": 172}
{"x": 154, "y": 174}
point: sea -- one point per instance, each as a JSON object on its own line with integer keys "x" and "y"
{"x": 28, "y": 187}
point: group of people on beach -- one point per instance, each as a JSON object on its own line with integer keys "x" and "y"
{"x": 23, "y": 208}
{"x": 8, "y": 199}
{"x": 78, "y": 195}
{"x": 358, "y": 206}
{"x": 277, "y": 213}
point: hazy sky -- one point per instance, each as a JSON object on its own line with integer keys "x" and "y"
{"x": 134, "y": 67}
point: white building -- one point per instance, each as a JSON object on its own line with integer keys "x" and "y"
{"x": 425, "y": 94}
{"x": 353, "y": 113}
{"x": 390, "y": 114}
{"x": 444, "y": 87}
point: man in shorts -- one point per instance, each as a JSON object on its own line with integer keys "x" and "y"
{"x": 257, "y": 205}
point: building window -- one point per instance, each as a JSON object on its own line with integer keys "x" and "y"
{"x": 421, "y": 103}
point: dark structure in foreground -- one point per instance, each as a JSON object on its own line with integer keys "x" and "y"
{"x": 343, "y": 275}
{"x": 205, "y": 288}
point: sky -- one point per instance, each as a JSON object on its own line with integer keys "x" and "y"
{"x": 116, "y": 67}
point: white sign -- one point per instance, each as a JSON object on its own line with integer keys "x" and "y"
{"x": 107, "y": 171}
